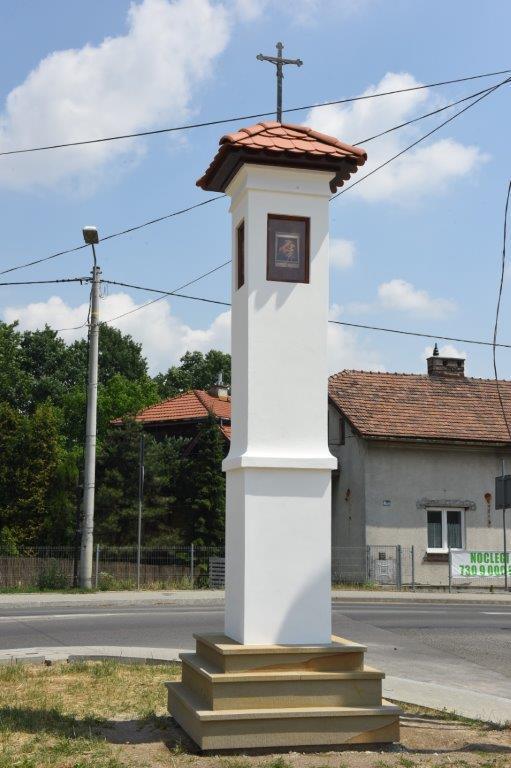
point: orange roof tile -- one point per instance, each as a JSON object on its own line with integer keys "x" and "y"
{"x": 406, "y": 406}
{"x": 195, "y": 404}
{"x": 281, "y": 144}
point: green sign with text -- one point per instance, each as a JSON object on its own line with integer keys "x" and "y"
{"x": 474, "y": 564}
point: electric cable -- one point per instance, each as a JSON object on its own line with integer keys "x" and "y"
{"x": 335, "y": 322}
{"x": 422, "y": 138}
{"x": 42, "y": 282}
{"x": 497, "y": 312}
{"x": 484, "y": 93}
{"x": 239, "y": 118}
{"x": 114, "y": 234}
{"x": 165, "y": 293}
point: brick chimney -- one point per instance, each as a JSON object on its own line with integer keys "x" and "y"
{"x": 219, "y": 389}
{"x": 452, "y": 367}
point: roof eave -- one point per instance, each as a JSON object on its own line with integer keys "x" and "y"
{"x": 229, "y": 159}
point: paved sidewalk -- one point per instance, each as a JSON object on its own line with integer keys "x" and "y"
{"x": 198, "y": 596}
{"x": 458, "y": 700}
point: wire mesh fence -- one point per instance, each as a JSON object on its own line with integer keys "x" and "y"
{"x": 191, "y": 567}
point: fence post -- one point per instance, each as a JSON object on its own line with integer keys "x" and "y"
{"x": 399, "y": 576}
{"x": 368, "y": 562}
{"x": 450, "y": 571}
{"x": 97, "y": 567}
{"x": 412, "y": 552}
{"x": 191, "y": 566}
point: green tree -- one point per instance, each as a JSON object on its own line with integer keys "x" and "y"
{"x": 15, "y": 383}
{"x": 50, "y": 365}
{"x": 117, "y": 488}
{"x": 196, "y": 371}
{"x": 201, "y": 491}
{"x": 29, "y": 446}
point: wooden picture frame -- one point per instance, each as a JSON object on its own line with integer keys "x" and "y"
{"x": 240, "y": 254}
{"x": 288, "y": 248}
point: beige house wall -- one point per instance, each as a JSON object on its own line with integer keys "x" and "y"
{"x": 383, "y": 490}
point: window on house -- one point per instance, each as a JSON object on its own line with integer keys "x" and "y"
{"x": 446, "y": 529}
{"x": 240, "y": 255}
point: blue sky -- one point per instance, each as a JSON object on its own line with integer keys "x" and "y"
{"x": 415, "y": 247}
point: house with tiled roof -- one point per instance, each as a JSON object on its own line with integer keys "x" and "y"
{"x": 418, "y": 456}
{"x": 182, "y": 415}
{"x": 417, "y": 459}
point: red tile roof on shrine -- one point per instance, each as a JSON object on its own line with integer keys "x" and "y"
{"x": 409, "y": 406}
{"x": 281, "y": 144}
{"x": 196, "y": 404}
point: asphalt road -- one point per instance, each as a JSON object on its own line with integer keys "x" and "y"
{"x": 477, "y": 634}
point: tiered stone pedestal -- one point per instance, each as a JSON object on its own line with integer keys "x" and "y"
{"x": 235, "y": 696}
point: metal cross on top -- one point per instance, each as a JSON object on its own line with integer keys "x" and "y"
{"x": 279, "y": 63}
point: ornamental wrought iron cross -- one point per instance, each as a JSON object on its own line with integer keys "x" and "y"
{"x": 279, "y": 63}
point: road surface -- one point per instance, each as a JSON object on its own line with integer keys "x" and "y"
{"x": 480, "y": 634}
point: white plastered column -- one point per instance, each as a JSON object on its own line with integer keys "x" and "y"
{"x": 278, "y": 468}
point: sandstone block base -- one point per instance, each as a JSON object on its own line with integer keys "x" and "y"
{"x": 235, "y": 696}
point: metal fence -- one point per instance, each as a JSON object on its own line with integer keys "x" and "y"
{"x": 378, "y": 566}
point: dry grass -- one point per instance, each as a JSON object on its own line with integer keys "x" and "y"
{"x": 111, "y": 715}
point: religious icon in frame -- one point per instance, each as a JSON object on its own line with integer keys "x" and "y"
{"x": 288, "y": 248}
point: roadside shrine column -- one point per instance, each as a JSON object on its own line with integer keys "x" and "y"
{"x": 278, "y": 511}
{"x": 279, "y": 466}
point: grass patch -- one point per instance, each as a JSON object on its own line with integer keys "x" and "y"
{"x": 66, "y": 715}
{"x": 114, "y": 715}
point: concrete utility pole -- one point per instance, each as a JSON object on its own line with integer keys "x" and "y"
{"x": 504, "y": 530}
{"x": 140, "y": 502}
{"x": 90, "y": 235}
{"x": 279, "y": 64}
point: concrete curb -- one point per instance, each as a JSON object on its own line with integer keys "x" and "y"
{"x": 455, "y": 700}
{"x": 204, "y": 597}
{"x": 54, "y": 654}
{"x": 452, "y": 699}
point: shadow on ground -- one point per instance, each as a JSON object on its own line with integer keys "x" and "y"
{"x": 153, "y": 729}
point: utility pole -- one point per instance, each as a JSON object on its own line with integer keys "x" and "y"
{"x": 504, "y": 530}
{"x": 140, "y": 502}
{"x": 279, "y": 64}
{"x": 90, "y": 235}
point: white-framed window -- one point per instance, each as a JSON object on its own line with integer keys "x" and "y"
{"x": 445, "y": 529}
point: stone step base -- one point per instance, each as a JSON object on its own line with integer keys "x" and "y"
{"x": 256, "y": 689}
{"x": 281, "y": 727}
{"x": 229, "y": 656}
{"x": 234, "y": 696}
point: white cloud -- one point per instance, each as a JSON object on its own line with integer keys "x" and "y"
{"x": 342, "y": 253}
{"x": 163, "y": 335}
{"x": 347, "y": 350}
{"x": 425, "y": 170}
{"x": 447, "y": 350}
{"x": 127, "y": 83}
{"x": 403, "y": 296}
{"x": 248, "y": 10}
{"x": 302, "y": 12}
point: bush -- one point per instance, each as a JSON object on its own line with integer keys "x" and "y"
{"x": 52, "y": 577}
{"x": 107, "y": 582}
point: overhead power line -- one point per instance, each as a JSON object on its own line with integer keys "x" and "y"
{"x": 497, "y": 312}
{"x": 165, "y": 293}
{"x": 361, "y": 326}
{"x": 485, "y": 92}
{"x": 422, "y": 117}
{"x": 114, "y": 234}
{"x": 43, "y": 282}
{"x": 423, "y": 137}
{"x": 239, "y": 118}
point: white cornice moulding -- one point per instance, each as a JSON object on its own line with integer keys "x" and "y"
{"x": 280, "y": 462}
